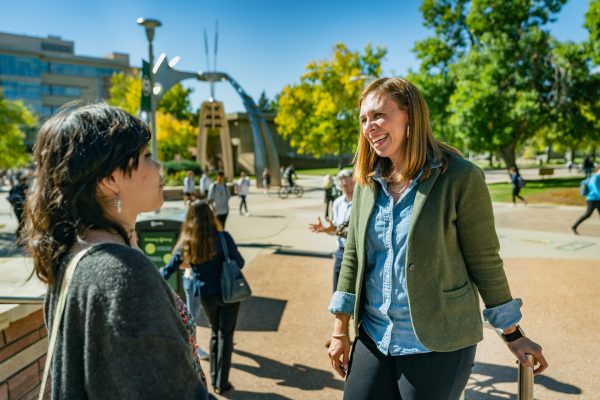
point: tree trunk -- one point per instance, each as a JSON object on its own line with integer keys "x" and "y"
{"x": 491, "y": 159}
{"x": 548, "y": 153}
{"x": 507, "y": 152}
{"x": 340, "y": 155}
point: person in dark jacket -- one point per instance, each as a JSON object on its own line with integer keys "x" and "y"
{"x": 200, "y": 247}
{"x": 124, "y": 334}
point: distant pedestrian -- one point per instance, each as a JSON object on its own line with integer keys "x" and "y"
{"x": 218, "y": 198}
{"x": 329, "y": 193}
{"x": 243, "y": 185}
{"x": 592, "y": 193}
{"x": 587, "y": 166}
{"x": 204, "y": 184}
{"x": 517, "y": 183}
{"x": 16, "y": 197}
{"x": 189, "y": 188}
{"x": 200, "y": 248}
{"x": 266, "y": 180}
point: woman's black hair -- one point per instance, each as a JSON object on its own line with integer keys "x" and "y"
{"x": 73, "y": 152}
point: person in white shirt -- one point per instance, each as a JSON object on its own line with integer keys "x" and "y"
{"x": 218, "y": 198}
{"x": 243, "y": 185}
{"x": 189, "y": 188}
{"x": 204, "y": 185}
{"x": 339, "y": 224}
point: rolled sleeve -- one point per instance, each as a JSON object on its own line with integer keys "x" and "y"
{"x": 503, "y": 316}
{"x": 342, "y": 302}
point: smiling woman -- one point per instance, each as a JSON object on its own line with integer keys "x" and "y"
{"x": 421, "y": 249}
{"x": 121, "y": 326}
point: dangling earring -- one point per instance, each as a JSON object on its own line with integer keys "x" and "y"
{"x": 408, "y": 131}
{"x": 119, "y": 205}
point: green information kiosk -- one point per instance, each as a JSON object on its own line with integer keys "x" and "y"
{"x": 157, "y": 235}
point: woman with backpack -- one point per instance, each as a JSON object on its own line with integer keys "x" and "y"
{"x": 517, "y": 184}
{"x": 590, "y": 189}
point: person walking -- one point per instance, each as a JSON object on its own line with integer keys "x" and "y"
{"x": 266, "y": 181}
{"x": 329, "y": 193}
{"x": 592, "y": 188}
{"x": 218, "y": 198}
{"x": 421, "y": 248}
{"x": 189, "y": 188}
{"x": 204, "y": 184}
{"x": 243, "y": 186}
{"x": 517, "y": 183}
{"x": 200, "y": 249}
{"x": 122, "y": 325}
{"x": 588, "y": 166}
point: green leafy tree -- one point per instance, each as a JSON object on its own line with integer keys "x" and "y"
{"x": 265, "y": 105}
{"x": 320, "y": 114}
{"x": 176, "y": 124}
{"x": 491, "y": 64}
{"x": 15, "y": 119}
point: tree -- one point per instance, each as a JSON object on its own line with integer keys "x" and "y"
{"x": 265, "y": 105}
{"x": 493, "y": 60}
{"x": 14, "y": 119}
{"x": 320, "y": 114}
{"x": 176, "y": 124}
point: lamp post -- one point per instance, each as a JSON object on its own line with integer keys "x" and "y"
{"x": 150, "y": 25}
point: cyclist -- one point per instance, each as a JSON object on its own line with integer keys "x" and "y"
{"x": 289, "y": 175}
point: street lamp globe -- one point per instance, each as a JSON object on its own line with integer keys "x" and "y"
{"x": 150, "y": 24}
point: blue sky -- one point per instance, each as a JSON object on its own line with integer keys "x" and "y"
{"x": 263, "y": 44}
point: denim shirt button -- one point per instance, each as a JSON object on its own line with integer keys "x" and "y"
{"x": 411, "y": 267}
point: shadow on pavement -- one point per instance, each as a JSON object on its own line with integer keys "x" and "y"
{"x": 244, "y": 395}
{"x": 8, "y": 248}
{"x": 482, "y": 387}
{"x": 304, "y": 253}
{"x": 297, "y": 375}
{"x": 257, "y": 314}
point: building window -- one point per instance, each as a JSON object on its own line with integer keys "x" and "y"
{"x": 19, "y": 66}
{"x": 21, "y": 90}
{"x": 56, "y": 90}
{"x": 80, "y": 70}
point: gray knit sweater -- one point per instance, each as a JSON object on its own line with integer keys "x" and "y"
{"x": 121, "y": 336}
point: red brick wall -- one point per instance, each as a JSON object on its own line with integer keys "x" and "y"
{"x": 20, "y": 355}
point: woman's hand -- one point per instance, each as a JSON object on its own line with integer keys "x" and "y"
{"x": 339, "y": 353}
{"x": 523, "y": 346}
{"x": 185, "y": 265}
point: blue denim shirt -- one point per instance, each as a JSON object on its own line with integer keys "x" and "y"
{"x": 387, "y": 317}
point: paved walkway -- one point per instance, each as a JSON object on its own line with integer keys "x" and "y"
{"x": 280, "y": 353}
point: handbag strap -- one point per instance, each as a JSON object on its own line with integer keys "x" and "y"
{"x": 224, "y": 245}
{"x": 58, "y": 313}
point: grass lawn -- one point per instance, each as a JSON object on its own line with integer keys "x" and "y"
{"x": 544, "y": 191}
{"x": 321, "y": 171}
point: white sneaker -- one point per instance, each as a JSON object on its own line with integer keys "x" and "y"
{"x": 201, "y": 354}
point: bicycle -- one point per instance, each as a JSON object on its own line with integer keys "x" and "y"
{"x": 285, "y": 190}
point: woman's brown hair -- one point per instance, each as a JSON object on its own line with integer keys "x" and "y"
{"x": 74, "y": 150}
{"x": 421, "y": 150}
{"x": 198, "y": 235}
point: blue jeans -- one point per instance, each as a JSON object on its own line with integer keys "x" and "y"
{"x": 193, "y": 302}
{"x": 337, "y": 265}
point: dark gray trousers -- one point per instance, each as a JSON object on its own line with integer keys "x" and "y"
{"x": 222, "y": 318}
{"x": 426, "y": 376}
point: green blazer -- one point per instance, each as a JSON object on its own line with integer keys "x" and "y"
{"x": 452, "y": 254}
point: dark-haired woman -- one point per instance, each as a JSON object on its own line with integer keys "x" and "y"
{"x": 421, "y": 249}
{"x": 200, "y": 247}
{"x": 124, "y": 333}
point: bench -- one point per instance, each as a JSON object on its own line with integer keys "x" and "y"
{"x": 546, "y": 171}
